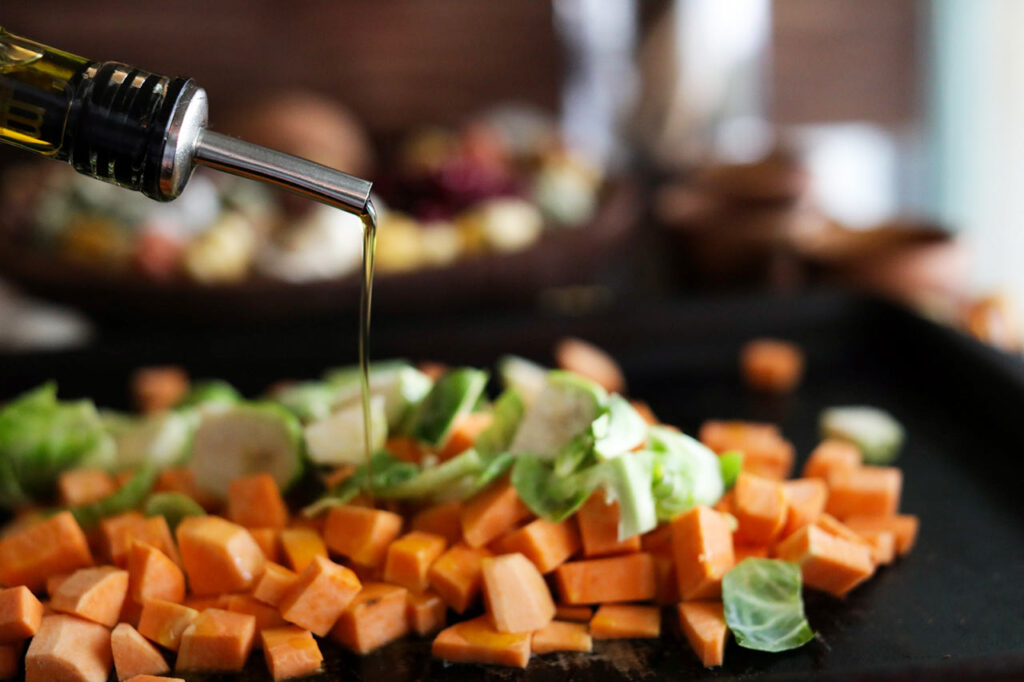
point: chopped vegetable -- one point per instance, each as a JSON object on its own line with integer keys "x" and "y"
{"x": 759, "y": 505}
{"x": 164, "y": 622}
{"x": 765, "y": 452}
{"x": 629, "y": 577}
{"x": 516, "y": 595}
{"x": 133, "y": 655}
{"x": 216, "y": 641}
{"x": 771, "y": 366}
{"x": 300, "y": 546}
{"x": 455, "y": 393}
{"x": 363, "y": 535}
{"x": 830, "y": 457}
{"x": 566, "y": 407}
{"x": 410, "y": 557}
{"x": 703, "y": 553}
{"x": 31, "y": 555}
{"x": 507, "y": 413}
{"x": 338, "y": 438}
{"x": 210, "y": 394}
{"x": 624, "y": 621}
{"x": 66, "y": 647}
{"x": 130, "y": 496}
{"x": 321, "y": 593}
{"x": 585, "y": 359}
{"x": 174, "y": 507}
{"x": 870, "y": 491}
{"x": 599, "y": 528}
{"x": 152, "y": 575}
{"x": 491, "y": 513}
{"x": 20, "y": 614}
{"x": 875, "y": 432}
{"x": 426, "y": 612}
{"x": 275, "y": 583}
{"x": 476, "y": 641}
{"x": 218, "y": 556}
{"x": 375, "y": 617}
{"x": 524, "y": 377}
{"x": 441, "y": 519}
{"x": 805, "y": 502}
{"x": 705, "y": 628}
{"x": 290, "y": 652}
{"x": 94, "y": 594}
{"x": 903, "y": 527}
{"x": 827, "y": 562}
{"x": 82, "y": 486}
{"x": 763, "y": 607}
{"x": 457, "y": 575}
{"x": 546, "y": 544}
{"x": 559, "y": 636}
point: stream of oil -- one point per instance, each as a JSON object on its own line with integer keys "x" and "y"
{"x": 365, "y": 300}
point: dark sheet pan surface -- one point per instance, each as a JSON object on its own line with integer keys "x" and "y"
{"x": 953, "y": 609}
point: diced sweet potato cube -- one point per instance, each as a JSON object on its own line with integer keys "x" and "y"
{"x": 834, "y": 526}
{"x": 219, "y": 556}
{"x": 546, "y": 544}
{"x": 255, "y": 502}
{"x": 832, "y": 456}
{"x": 516, "y": 595}
{"x": 290, "y": 652}
{"x": 154, "y": 678}
{"x": 903, "y": 526}
{"x": 266, "y": 616}
{"x": 216, "y": 641}
{"x": 882, "y": 544}
{"x": 826, "y": 562}
{"x": 68, "y": 648}
{"x": 117, "y": 534}
{"x": 703, "y": 623}
{"x": 361, "y": 534}
{"x": 491, "y": 513}
{"x": 665, "y": 578}
{"x": 771, "y": 365}
{"x": 765, "y": 452}
{"x": 134, "y": 655}
{"x": 741, "y": 552}
{"x": 561, "y": 636}
{"x": 33, "y": 553}
{"x": 586, "y": 359}
{"x": 645, "y": 412}
{"x": 405, "y": 448}
{"x": 409, "y": 559}
{"x": 319, "y": 596}
{"x": 629, "y": 577}
{"x": 805, "y": 501}
{"x": 871, "y": 491}
{"x": 476, "y": 641}
{"x": 94, "y": 594}
{"x": 203, "y": 603}
{"x": 702, "y": 549}
{"x": 442, "y": 519}
{"x": 300, "y": 545}
{"x": 377, "y": 616}
{"x": 269, "y": 540}
{"x": 759, "y": 505}
{"x": 164, "y": 622}
{"x": 152, "y": 575}
{"x": 457, "y": 575}
{"x": 274, "y": 584}
{"x": 658, "y": 540}
{"x": 625, "y": 621}
{"x": 599, "y": 528}
{"x": 183, "y": 480}
{"x": 83, "y": 486}
{"x": 53, "y": 582}
{"x": 426, "y": 612}
{"x": 579, "y": 614}
{"x": 20, "y": 614}
{"x": 464, "y": 433}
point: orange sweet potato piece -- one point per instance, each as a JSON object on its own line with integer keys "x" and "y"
{"x": 290, "y": 652}
{"x": 361, "y": 534}
{"x": 599, "y": 528}
{"x": 827, "y": 562}
{"x": 20, "y": 614}
{"x": 319, "y": 596}
{"x": 152, "y": 575}
{"x": 645, "y": 412}
{"x": 765, "y": 452}
{"x": 202, "y": 603}
{"x": 82, "y": 486}
{"x": 219, "y": 556}
{"x": 266, "y": 616}
{"x": 871, "y": 491}
{"x": 771, "y": 366}
{"x": 134, "y": 655}
{"x": 405, "y": 448}
{"x": 53, "y": 582}
{"x": 903, "y": 526}
{"x": 703, "y": 623}
{"x": 465, "y": 430}
{"x": 834, "y": 526}
{"x": 702, "y": 549}
{"x": 94, "y": 594}
{"x": 269, "y": 540}
{"x": 300, "y": 545}
{"x": 579, "y": 614}
{"x": 625, "y": 621}
{"x": 183, "y": 480}
{"x": 255, "y": 502}
{"x": 457, "y": 575}
{"x": 158, "y": 388}
{"x": 805, "y": 501}
{"x": 31, "y": 554}
{"x": 832, "y": 456}
{"x": 881, "y": 543}
{"x": 274, "y": 584}
{"x": 68, "y": 648}
{"x": 629, "y": 577}
{"x": 10, "y": 660}
{"x": 741, "y": 552}
{"x": 119, "y": 532}
{"x": 559, "y": 636}
{"x": 216, "y": 641}
{"x": 586, "y": 359}
{"x": 517, "y": 598}
{"x": 164, "y": 622}
{"x": 377, "y": 616}
{"x": 657, "y": 540}
{"x": 409, "y": 559}
{"x": 441, "y": 519}
{"x": 491, "y": 513}
{"x": 476, "y": 641}
{"x": 426, "y": 612}
{"x": 759, "y": 505}
{"x": 546, "y": 544}
{"x": 154, "y": 678}
{"x": 667, "y": 585}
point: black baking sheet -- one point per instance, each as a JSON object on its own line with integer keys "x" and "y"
{"x": 953, "y": 609}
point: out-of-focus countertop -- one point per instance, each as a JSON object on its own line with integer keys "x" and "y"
{"x": 29, "y": 324}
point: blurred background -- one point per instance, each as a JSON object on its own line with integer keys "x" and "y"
{"x": 558, "y": 157}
